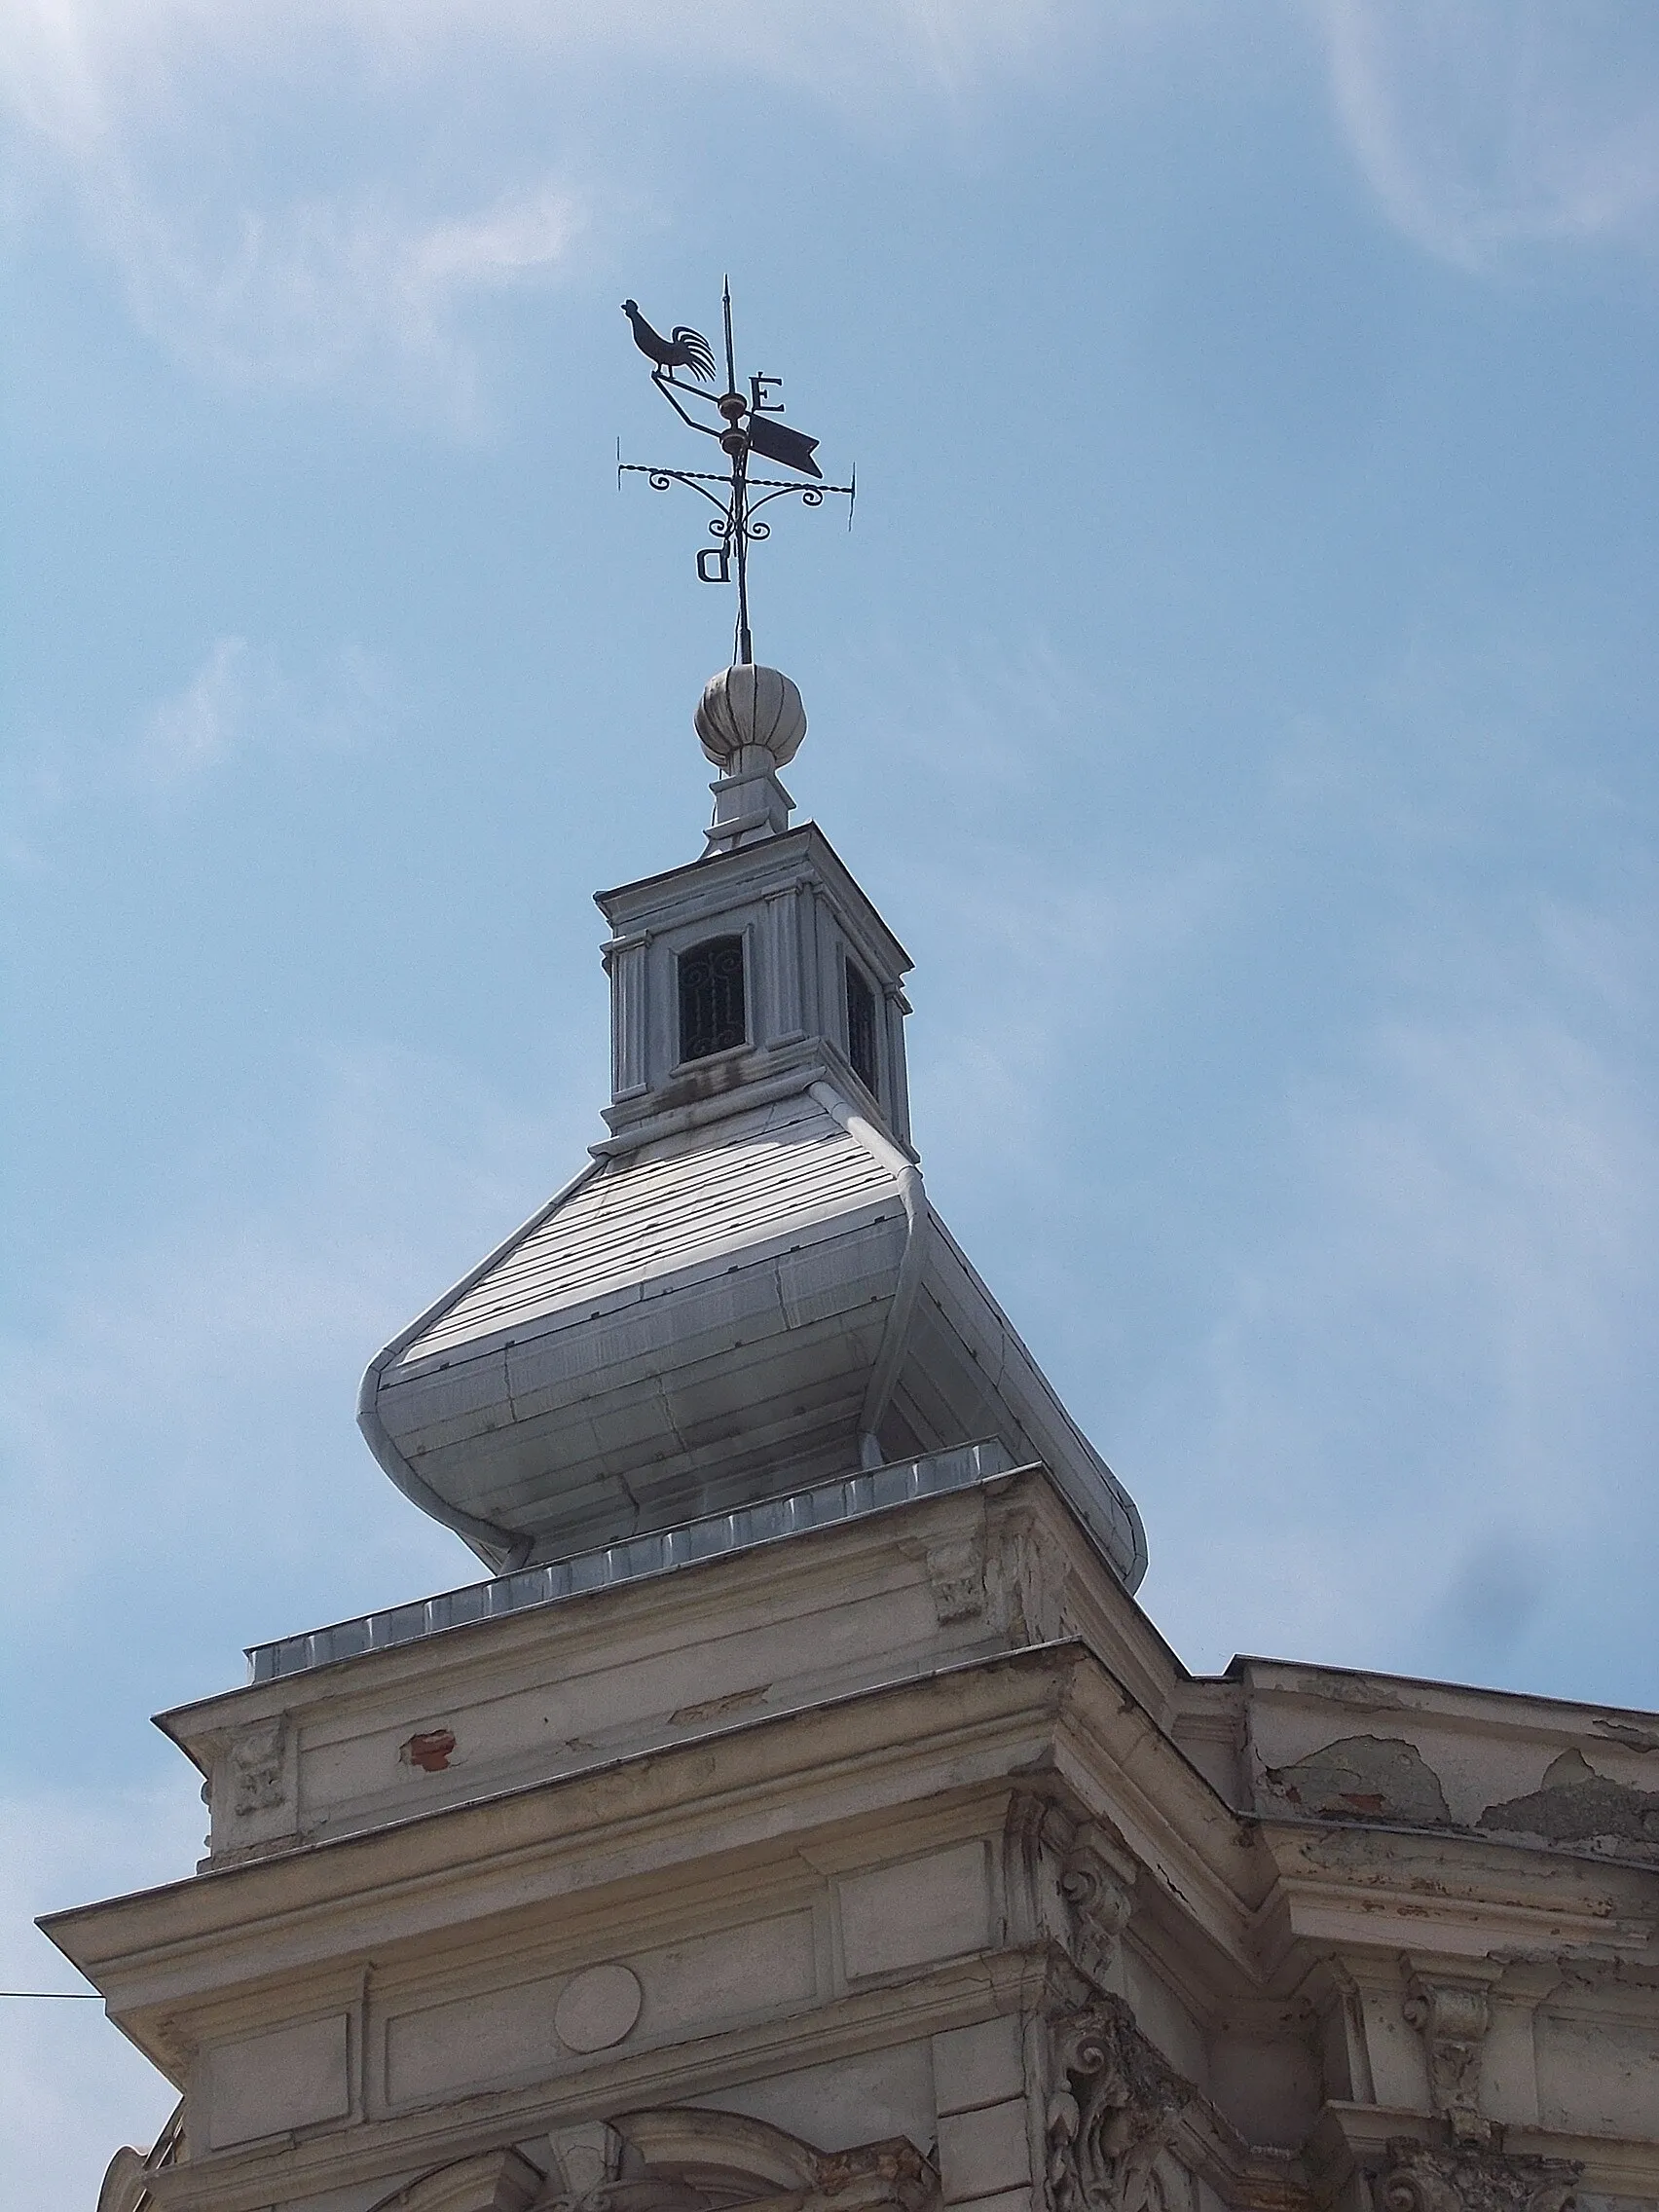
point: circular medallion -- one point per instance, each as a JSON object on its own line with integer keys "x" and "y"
{"x": 597, "y": 2007}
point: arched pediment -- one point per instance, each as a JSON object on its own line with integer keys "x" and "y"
{"x": 728, "y": 2159}
{"x": 721, "y": 2156}
{"x": 679, "y": 2159}
{"x": 497, "y": 2181}
{"x": 687, "y": 2158}
{"x": 125, "y": 2185}
{"x": 127, "y": 2179}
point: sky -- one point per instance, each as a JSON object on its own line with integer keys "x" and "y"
{"x": 1237, "y": 690}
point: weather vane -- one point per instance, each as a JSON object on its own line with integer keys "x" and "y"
{"x": 746, "y": 427}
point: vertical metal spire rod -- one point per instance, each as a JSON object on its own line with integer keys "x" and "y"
{"x": 735, "y": 443}
{"x": 747, "y": 424}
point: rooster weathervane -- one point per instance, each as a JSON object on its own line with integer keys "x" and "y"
{"x": 747, "y": 426}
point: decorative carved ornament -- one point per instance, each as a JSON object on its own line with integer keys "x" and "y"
{"x": 1115, "y": 2104}
{"x": 1000, "y": 1573}
{"x": 1068, "y": 1883}
{"x": 1453, "y": 2018}
{"x": 956, "y": 1577}
{"x": 1099, "y": 1890}
{"x": 1025, "y": 1581}
{"x": 892, "y": 2173}
{"x": 258, "y": 1759}
{"x": 1470, "y": 2178}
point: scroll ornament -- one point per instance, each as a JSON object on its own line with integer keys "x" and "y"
{"x": 1472, "y": 2179}
{"x": 1113, "y": 2112}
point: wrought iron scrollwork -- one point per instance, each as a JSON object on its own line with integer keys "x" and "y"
{"x": 746, "y": 426}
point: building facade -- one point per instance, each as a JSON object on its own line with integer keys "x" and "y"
{"x": 802, "y": 1814}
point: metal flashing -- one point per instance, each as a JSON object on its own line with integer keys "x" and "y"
{"x": 718, "y": 1535}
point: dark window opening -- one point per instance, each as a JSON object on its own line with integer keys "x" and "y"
{"x": 860, "y": 1029}
{"x": 712, "y": 1015}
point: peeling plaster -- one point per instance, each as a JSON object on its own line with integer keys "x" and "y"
{"x": 1378, "y": 1778}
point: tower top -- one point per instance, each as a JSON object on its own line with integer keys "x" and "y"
{"x": 746, "y": 1293}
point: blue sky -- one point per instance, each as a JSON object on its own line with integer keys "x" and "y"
{"x": 1238, "y": 691}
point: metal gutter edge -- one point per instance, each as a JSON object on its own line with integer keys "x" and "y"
{"x": 914, "y": 1200}
{"x": 498, "y": 1547}
{"x": 842, "y": 1502}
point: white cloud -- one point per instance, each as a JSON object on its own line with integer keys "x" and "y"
{"x": 311, "y": 291}
{"x": 196, "y": 727}
{"x": 181, "y": 126}
{"x": 156, "y": 114}
{"x": 77, "y": 69}
{"x": 239, "y": 699}
{"x": 161, "y": 113}
{"x": 1487, "y": 126}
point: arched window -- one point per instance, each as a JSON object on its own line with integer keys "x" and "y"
{"x": 712, "y": 1013}
{"x": 860, "y": 1029}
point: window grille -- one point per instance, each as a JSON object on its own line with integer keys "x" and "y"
{"x": 712, "y": 1015}
{"x": 860, "y": 1029}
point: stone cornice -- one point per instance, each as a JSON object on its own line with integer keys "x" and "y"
{"x": 1366, "y": 2139}
{"x": 680, "y": 1801}
{"x": 1375, "y": 1887}
{"x": 751, "y": 1791}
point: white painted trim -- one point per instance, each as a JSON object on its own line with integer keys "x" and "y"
{"x": 917, "y": 1216}
{"x": 498, "y": 1547}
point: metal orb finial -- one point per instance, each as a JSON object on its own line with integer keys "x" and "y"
{"x": 750, "y": 722}
{"x": 746, "y": 709}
